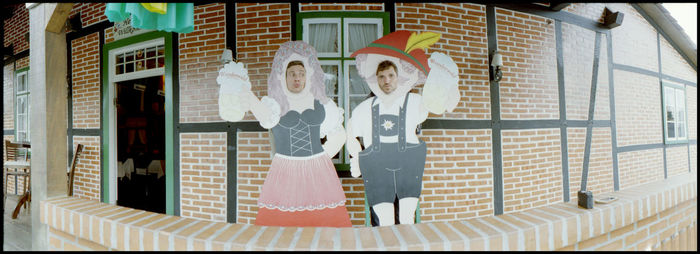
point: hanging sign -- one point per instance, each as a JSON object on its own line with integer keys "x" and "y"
{"x": 123, "y": 29}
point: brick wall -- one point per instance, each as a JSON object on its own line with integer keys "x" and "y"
{"x": 592, "y": 11}
{"x": 355, "y": 194}
{"x": 90, "y": 13}
{"x": 261, "y": 28}
{"x": 87, "y": 182}
{"x": 341, "y": 7}
{"x": 22, "y": 63}
{"x": 85, "y": 57}
{"x": 529, "y": 88}
{"x": 600, "y": 174}
{"x": 16, "y": 28}
{"x": 637, "y": 109}
{"x": 640, "y": 167}
{"x": 677, "y": 160}
{"x": 634, "y": 41}
{"x": 203, "y": 176}
{"x": 199, "y": 52}
{"x": 531, "y": 168}
{"x": 463, "y": 29}
{"x": 579, "y": 45}
{"x": 254, "y": 160}
{"x": 458, "y": 176}
{"x": 671, "y": 230}
{"x": 458, "y": 179}
{"x": 673, "y": 64}
{"x": 654, "y": 216}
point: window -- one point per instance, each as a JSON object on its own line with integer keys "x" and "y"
{"x": 22, "y": 106}
{"x": 335, "y": 36}
{"x": 139, "y": 60}
{"x": 675, "y": 124}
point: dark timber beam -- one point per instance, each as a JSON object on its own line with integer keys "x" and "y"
{"x": 562, "y": 111}
{"x": 495, "y": 117}
{"x": 591, "y": 110}
{"x": 613, "y": 124}
{"x": 558, "y": 6}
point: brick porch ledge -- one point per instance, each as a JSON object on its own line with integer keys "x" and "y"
{"x": 644, "y": 217}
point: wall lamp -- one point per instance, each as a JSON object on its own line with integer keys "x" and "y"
{"x": 226, "y": 56}
{"x": 496, "y": 64}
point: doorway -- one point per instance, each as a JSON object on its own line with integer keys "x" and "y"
{"x": 141, "y": 143}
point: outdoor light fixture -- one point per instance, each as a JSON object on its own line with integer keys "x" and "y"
{"x": 496, "y": 63}
{"x": 226, "y": 56}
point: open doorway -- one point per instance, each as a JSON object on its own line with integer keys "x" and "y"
{"x": 141, "y": 143}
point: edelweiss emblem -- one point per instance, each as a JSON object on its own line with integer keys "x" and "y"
{"x": 388, "y": 125}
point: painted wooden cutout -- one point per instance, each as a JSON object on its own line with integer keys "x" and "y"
{"x": 302, "y": 188}
{"x": 393, "y": 160}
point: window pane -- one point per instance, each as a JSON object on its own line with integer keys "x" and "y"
{"x": 120, "y": 58}
{"x": 151, "y": 52}
{"x": 360, "y": 35}
{"x": 20, "y": 123}
{"x": 139, "y": 54}
{"x": 680, "y": 100}
{"x": 151, "y": 63}
{"x": 671, "y": 128}
{"x": 669, "y": 114}
{"x": 324, "y": 37}
{"x": 129, "y": 57}
{"x": 21, "y": 105}
{"x": 120, "y": 69}
{"x": 331, "y": 79}
{"x": 22, "y": 83}
{"x": 139, "y": 65}
{"x": 129, "y": 68}
{"x": 358, "y": 86}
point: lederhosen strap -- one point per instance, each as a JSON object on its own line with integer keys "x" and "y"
{"x": 402, "y": 126}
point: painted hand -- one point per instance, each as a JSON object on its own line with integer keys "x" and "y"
{"x": 355, "y": 167}
{"x": 234, "y": 91}
{"x": 441, "y": 91}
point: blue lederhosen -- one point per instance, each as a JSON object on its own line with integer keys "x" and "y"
{"x": 391, "y": 170}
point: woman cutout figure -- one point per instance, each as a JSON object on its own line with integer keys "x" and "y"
{"x": 302, "y": 188}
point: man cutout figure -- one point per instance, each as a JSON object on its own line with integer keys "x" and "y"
{"x": 393, "y": 160}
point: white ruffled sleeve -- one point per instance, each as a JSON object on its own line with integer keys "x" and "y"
{"x": 334, "y": 118}
{"x": 274, "y": 117}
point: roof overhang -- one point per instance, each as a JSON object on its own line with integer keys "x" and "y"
{"x": 668, "y": 26}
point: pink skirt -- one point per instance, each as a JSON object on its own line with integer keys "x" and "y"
{"x": 301, "y": 184}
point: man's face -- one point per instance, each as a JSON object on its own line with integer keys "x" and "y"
{"x": 296, "y": 78}
{"x": 387, "y": 80}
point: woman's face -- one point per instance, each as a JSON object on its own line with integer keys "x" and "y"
{"x": 296, "y": 78}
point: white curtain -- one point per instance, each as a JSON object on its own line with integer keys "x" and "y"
{"x": 360, "y": 35}
{"x": 331, "y": 79}
{"x": 324, "y": 37}
{"x": 358, "y": 86}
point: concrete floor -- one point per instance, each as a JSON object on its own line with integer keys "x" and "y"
{"x": 17, "y": 233}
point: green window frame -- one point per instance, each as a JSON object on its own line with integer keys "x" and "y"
{"x": 337, "y": 61}
{"x": 674, "y": 113}
{"x": 22, "y": 108}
